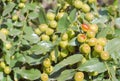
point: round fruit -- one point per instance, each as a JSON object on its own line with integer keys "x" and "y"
{"x": 47, "y": 63}
{"x": 92, "y": 41}
{"x": 49, "y": 69}
{"x": 83, "y": 60}
{"x": 102, "y": 41}
{"x": 63, "y": 44}
{"x": 71, "y": 49}
{"x": 21, "y": 5}
{"x": 70, "y": 33}
{"x": 7, "y": 70}
{"x": 64, "y": 37}
{"x": 44, "y": 77}
{"x": 14, "y": 17}
{"x": 4, "y": 31}
{"x": 52, "y": 55}
{"x": 85, "y": 8}
{"x": 89, "y": 16}
{"x": 49, "y": 31}
{"x": 2, "y": 64}
{"x": 54, "y": 37}
{"x": 91, "y": 34}
{"x": 98, "y": 48}
{"x": 94, "y": 27}
{"x": 43, "y": 27}
{"x": 85, "y": 48}
{"x": 37, "y": 31}
{"x": 8, "y": 46}
{"x": 104, "y": 55}
{"x": 64, "y": 53}
{"x": 79, "y": 76}
{"x": 81, "y": 38}
{"x": 92, "y": 1}
{"x": 23, "y": 1}
{"x": 95, "y": 73}
{"x": 59, "y": 15}
{"x": 45, "y": 37}
{"x": 50, "y": 16}
{"x": 85, "y": 27}
{"x": 78, "y": 4}
{"x": 53, "y": 24}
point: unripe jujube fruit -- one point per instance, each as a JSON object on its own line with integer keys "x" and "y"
{"x": 44, "y": 77}
{"x": 81, "y": 38}
{"x": 78, "y": 4}
{"x": 63, "y": 44}
{"x": 4, "y": 31}
{"x": 7, "y": 70}
{"x": 2, "y": 64}
{"x": 45, "y": 37}
{"x": 102, "y": 41}
{"x": 21, "y": 5}
{"x": 92, "y": 41}
{"x": 46, "y": 63}
{"x": 64, "y": 37}
{"x": 98, "y": 48}
{"x": 53, "y": 24}
{"x": 64, "y": 53}
{"x": 85, "y": 8}
{"x": 43, "y": 27}
{"x": 91, "y": 34}
{"x": 104, "y": 55}
{"x": 79, "y": 76}
{"x": 14, "y": 17}
{"x": 49, "y": 31}
{"x": 89, "y": 16}
{"x": 59, "y": 15}
{"x": 37, "y": 31}
{"x": 94, "y": 27}
{"x": 50, "y": 16}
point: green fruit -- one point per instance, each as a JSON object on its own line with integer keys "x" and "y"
{"x": 85, "y": 49}
{"x": 50, "y": 16}
{"x": 64, "y": 37}
{"x": 63, "y": 44}
{"x": 8, "y": 46}
{"x": 78, "y": 4}
{"x": 81, "y": 38}
{"x": 45, "y": 37}
{"x": 7, "y": 70}
{"x": 37, "y": 31}
{"x": 44, "y": 77}
{"x": 85, "y": 8}
{"x": 47, "y": 63}
{"x": 59, "y": 15}
{"x": 104, "y": 55}
{"x": 2, "y": 64}
{"x": 23, "y": 1}
{"x": 91, "y": 34}
{"x": 14, "y": 17}
{"x": 54, "y": 37}
{"x": 53, "y": 24}
{"x": 79, "y": 76}
{"x": 102, "y": 41}
{"x": 89, "y": 16}
{"x": 49, "y": 69}
{"x": 83, "y": 60}
{"x": 43, "y": 27}
{"x": 52, "y": 56}
{"x": 70, "y": 33}
{"x": 98, "y": 48}
{"x": 94, "y": 27}
{"x": 64, "y": 53}
{"x": 21, "y": 5}
{"x": 95, "y": 73}
{"x": 4, "y": 31}
{"x": 92, "y": 41}
{"x": 71, "y": 49}
{"x": 49, "y": 31}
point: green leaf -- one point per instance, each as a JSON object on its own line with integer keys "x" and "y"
{"x": 28, "y": 30}
{"x": 2, "y": 37}
{"x": 68, "y": 61}
{"x": 1, "y": 76}
{"x": 113, "y": 74}
{"x": 8, "y": 8}
{"x": 73, "y": 42}
{"x": 33, "y": 15}
{"x": 92, "y": 65}
{"x": 113, "y": 47}
{"x": 42, "y": 47}
{"x": 117, "y": 33}
{"x": 72, "y": 15}
{"x": 31, "y": 74}
{"x": 66, "y": 74}
{"x": 15, "y": 32}
{"x": 63, "y": 24}
{"x": 117, "y": 22}
{"x": 42, "y": 17}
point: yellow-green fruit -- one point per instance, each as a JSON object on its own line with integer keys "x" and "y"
{"x": 44, "y": 77}
{"x": 37, "y": 31}
{"x": 64, "y": 37}
{"x": 78, "y": 4}
{"x": 71, "y": 49}
{"x": 95, "y": 73}
{"x": 53, "y": 24}
{"x": 59, "y": 15}
{"x": 52, "y": 55}
{"x": 79, "y": 76}
{"x": 63, "y": 44}
{"x": 83, "y": 60}
{"x": 7, "y": 70}
{"x": 85, "y": 8}
{"x": 85, "y": 49}
{"x": 8, "y": 46}
{"x": 2, "y": 64}
{"x": 70, "y": 33}
{"x": 102, "y": 41}
{"x": 91, "y": 34}
{"x": 92, "y": 1}
{"x": 49, "y": 69}
{"x": 14, "y": 17}
{"x": 50, "y": 16}
{"x": 21, "y": 5}
{"x": 47, "y": 63}
{"x": 49, "y": 31}
{"x": 94, "y": 27}
{"x": 4, "y": 31}
{"x": 54, "y": 37}
{"x": 43, "y": 27}
{"x": 92, "y": 41}
{"x": 98, "y": 48}
{"x": 45, "y": 37}
{"x": 89, "y": 16}
{"x": 64, "y": 53}
{"x": 104, "y": 55}
{"x": 23, "y": 1}
{"x": 81, "y": 38}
